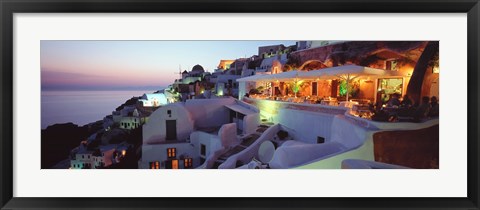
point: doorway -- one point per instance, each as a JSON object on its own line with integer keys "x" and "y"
{"x": 314, "y": 88}
{"x": 171, "y": 164}
{"x": 174, "y": 164}
{"x": 389, "y": 86}
{"x": 171, "y": 128}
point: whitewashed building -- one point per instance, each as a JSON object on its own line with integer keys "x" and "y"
{"x": 102, "y": 157}
{"x": 183, "y": 135}
{"x": 83, "y": 159}
{"x": 132, "y": 120}
{"x": 152, "y": 99}
{"x": 129, "y": 118}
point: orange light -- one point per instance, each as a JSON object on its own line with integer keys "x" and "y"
{"x": 124, "y": 152}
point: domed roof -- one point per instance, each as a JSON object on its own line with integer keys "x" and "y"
{"x": 198, "y": 68}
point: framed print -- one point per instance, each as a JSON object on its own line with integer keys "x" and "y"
{"x": 272, "y": 104}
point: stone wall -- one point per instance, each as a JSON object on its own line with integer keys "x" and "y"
{"x": 411, "y": 148}
{"x": 359, "y": 52}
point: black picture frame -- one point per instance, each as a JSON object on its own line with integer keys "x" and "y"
{"x": 10, "y": 7}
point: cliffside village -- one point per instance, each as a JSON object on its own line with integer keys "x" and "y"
{"x": 316, "y": 104}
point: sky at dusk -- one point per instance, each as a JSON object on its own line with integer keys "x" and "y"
{"x": 110, "y": 65}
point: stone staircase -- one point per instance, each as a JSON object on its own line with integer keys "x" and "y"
{"x": 246, "y": 142}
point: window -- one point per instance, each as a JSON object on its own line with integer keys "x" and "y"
{"x": 155, "y": 165}
{"x": 391, "y": 65}
{"x": 389, "y": 86}
{"x": 171, "y": 152}
{"x": 320, "y": 140}
{"x": 187, "y": 163}
{"x": 83, "y": 156}
{"x": 203, "y": 149}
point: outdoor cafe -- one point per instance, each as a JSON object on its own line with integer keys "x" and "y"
{"x": 351, "y": 86}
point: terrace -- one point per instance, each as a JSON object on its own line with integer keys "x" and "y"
{"x": 331, "y": 90}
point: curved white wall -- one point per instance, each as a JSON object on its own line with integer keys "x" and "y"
{"x": 296, "y": 155}
{"x": 307, "y": 125}
{"x": 155, "y": 130}
{"x": 250, "y": 123}
{"x": 347, "y": 133}
{"x": 228, "y": 135}
{"x": 344, "y": 136}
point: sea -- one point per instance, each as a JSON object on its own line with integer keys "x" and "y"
{"x": 82, "y": 107}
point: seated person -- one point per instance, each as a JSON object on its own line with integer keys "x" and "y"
{"x": 394, "y": 101}
{"x": 434, "y": 109}
{"x": 378, "y": 105}
{"x": 406, "y": 102}
{"x": 423, "y": 110}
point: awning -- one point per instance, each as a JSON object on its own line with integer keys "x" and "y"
{"x": 353, "y": 71}
{"x": 253, "y": 78}
{"x": 240, "y": 109}
{"x": 284, "y": 76}
{"x": 350, "y": 70}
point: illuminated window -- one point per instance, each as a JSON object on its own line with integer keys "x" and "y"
{"x": 187, "y": 163}
{"x": 171, "y": 152}
{"x": 388, "y": 86}
{"x": 155, "y": 165}
{"x": 391, "y": 65}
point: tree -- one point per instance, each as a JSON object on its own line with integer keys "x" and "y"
{"x": 296, "y": 85}
{"x": 414, "y": 89}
